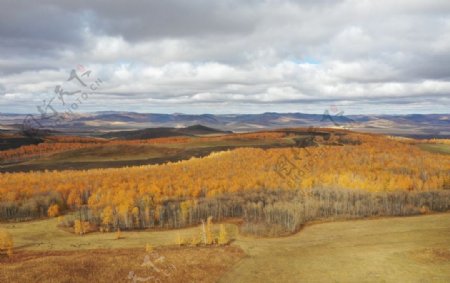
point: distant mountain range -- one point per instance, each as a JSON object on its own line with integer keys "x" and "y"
{"x": 102, "y": 123}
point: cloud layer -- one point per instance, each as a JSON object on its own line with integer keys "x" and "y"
{"x": 229, "y": 56}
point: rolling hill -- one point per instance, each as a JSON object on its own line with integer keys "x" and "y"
{"x": 414, "y": 125}
{"x": 162, "y": 132}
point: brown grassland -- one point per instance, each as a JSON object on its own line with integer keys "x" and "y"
{"x": 114, "y": 265}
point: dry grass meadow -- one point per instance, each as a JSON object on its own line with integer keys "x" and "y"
{"x": 399, "y": 249}
{"x": 120, "y": 265}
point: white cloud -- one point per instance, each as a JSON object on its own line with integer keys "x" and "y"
{"x": 248, "y": 54}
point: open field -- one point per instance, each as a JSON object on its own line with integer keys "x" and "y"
{"x": 409, "y": 249}
{"x": 45, "y": 253}
{"x": 44, "y": 235}
{"x": 436, "y": 148}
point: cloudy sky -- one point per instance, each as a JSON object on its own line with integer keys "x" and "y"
{"x": 235, "y": 56}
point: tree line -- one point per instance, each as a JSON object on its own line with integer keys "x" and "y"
{"x": 266, "y": 212}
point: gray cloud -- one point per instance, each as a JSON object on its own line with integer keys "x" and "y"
{"x": 248, "y": 55}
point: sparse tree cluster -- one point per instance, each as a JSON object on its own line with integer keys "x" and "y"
{"x": 207, "y": 235}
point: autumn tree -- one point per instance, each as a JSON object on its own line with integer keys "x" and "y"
{"x": 53, "y": 210}
{"x": 6, "y": 243}
{"x": 81, "y": 227}
{"x": 136, "y": 219}
{"x": 203, "y": 233}
{"x": 209, "y": 232}
{"x": 107, "y": 217}
{"x": 223, "y": 236}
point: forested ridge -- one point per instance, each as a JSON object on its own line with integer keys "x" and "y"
{"x": 369, "y": 168}
{"x": 56, "y": 144}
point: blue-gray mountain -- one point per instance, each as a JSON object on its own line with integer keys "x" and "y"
{"x": 414, "y": 125}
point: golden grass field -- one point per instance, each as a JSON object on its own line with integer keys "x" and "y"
{"x": 408, "y": 249}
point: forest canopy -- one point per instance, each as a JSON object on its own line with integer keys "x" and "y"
{"x": 360, "y": 163}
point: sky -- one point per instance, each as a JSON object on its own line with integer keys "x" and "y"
{"x": 234, "y": 56}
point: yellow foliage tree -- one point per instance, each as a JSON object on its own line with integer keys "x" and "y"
{"x": 107, "y": 216}
{"x": 6, "y": 243}
{"x": 223, "y": 236}
{"x": 185, "y": 206}
{"x": 53, "y": 210}
{"x": 135, "y": 212}
{"x": 81, "y": 227}
{"x": 209, "y": 233}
